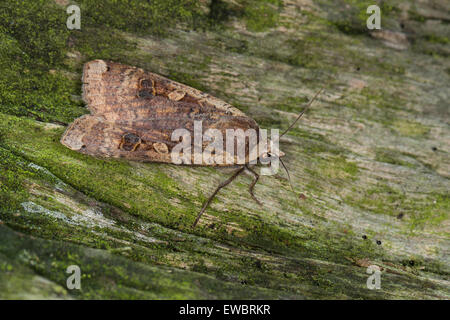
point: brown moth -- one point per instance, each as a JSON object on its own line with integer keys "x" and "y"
{"x": 133, "y": 114}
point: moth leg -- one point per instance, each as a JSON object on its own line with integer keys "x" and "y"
{"x": 221, "y": 185}
{"x": 252, "y": 185}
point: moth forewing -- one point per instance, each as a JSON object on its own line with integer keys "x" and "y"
{"x": 143, "y": 116}
{"x": 127, "y": 102}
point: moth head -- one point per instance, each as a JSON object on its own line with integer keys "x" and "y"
{"x": 273, "y": 155}
{"x": 273, "y": 152}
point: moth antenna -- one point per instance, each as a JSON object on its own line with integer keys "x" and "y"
{"x": 301, "y": 113}
{"x": 211, "y": 197}
{"x": 290, "y": 182}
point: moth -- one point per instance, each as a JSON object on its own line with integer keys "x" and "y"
{"x": 133, "y": 115}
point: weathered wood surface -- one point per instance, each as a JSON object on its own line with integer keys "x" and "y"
{"x": 370, "y": 161}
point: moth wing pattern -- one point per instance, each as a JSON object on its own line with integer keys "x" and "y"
{"x": 134, "y": 112}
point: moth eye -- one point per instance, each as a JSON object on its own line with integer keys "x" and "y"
{"x": 266, "y": 155}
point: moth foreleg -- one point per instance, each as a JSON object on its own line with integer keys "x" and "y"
{"x": 252, "y": 185}
{"x": 221, "y": 185}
